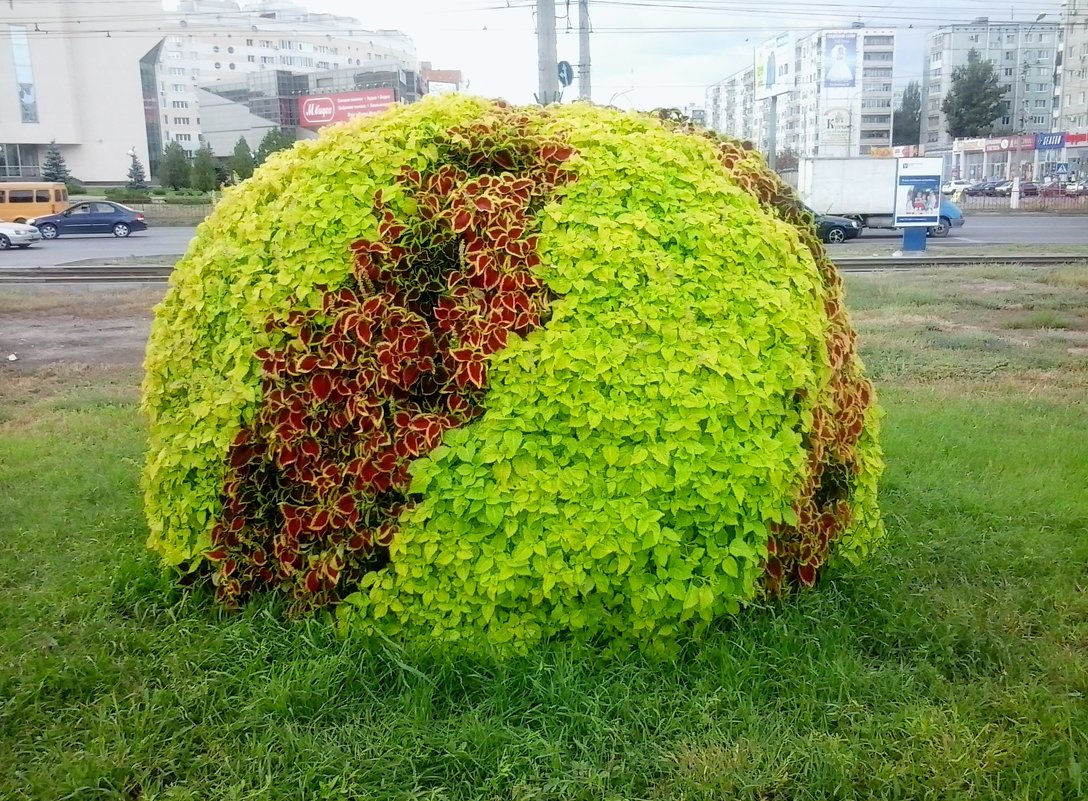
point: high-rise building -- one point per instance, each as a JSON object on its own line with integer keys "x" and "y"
{"x": 1071, "y": 92}
{"x": 217, "y": 43}
{"x": 79, "y": 73}
{"x": 1023, "y": 54}
{"x": 833, "y": 88}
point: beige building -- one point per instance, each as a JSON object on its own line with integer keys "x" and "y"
{"x": 1071, "y": 98}
{"x": 70, "y": 71}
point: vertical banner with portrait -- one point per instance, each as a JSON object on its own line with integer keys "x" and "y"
{"x": 840, "y": 60}
{"x": 918, "y": 192}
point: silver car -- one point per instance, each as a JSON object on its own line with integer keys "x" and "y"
{"x": 18, "y": 235}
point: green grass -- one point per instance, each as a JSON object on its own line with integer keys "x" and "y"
{"x": 953, "y": 665}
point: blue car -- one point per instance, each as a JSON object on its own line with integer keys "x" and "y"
{"x": 951, "y": 217}
{"x": 91, "y": 217}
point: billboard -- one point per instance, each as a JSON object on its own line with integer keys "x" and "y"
{"x": 772, "y": 67}
{"x": 316, "y": 111}
{"x": 918, "y": 192}
{"x": 840, "y": 60}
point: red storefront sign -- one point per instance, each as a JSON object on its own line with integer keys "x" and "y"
{"x": 1007, "y": 143}
{"x": 1076, "y": 139}
{"x": 316, "y": 111}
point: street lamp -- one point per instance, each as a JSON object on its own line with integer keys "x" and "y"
{"x": 1014, "y": 195}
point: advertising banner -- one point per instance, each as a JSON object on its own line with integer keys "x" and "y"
{"x": 1076, "y": 139}
{"x": 1006, "y": 143}
{"x": 772, "y": 67}
{"x": 317, "y": 111}
{"x": 840, "y": 60}
{"x": 917, "y": 192}
{"x": 1050, "y": 141}
{"x": 835, "y": 127}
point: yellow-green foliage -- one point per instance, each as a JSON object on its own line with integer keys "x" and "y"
{"x": 637, "y": 454}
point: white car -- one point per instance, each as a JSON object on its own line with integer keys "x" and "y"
{"x": 18, "y": 235}
{"x": 951, "y": 187}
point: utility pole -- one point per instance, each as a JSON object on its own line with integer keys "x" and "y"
{"x": 585, "y": 89}
{"x": 547, "y": 59}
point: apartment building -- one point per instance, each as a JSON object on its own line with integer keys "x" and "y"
{"x": 1024, "y": 55}
{"x": 833, "y": 88}
{"x": 1071, "y": 90}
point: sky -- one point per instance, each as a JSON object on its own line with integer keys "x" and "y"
{"x": 648, "y": 53}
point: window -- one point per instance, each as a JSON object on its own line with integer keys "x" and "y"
{"x": 874, "y": 134}
{"x": 932, "y": 136}
{"x": 231, "y": 65}
{"x": 1042, "y": 72}
{"x": 1040, "y": 104}
{"x": 879, "y": 41}
{"x": 324, "y": 65}
{"x": 1008, "y": 72}
{"x": 879, "y": 56}
{"x": 251, "y": 59}
{"x": 266, "y": 43}
{"x": 181, "y": 120}
{"x": 41, "y": 196}
{"x": 174, "y": 55}
{"x": 215, "y": 48}
{"x": 218, "y": 65}
{"x": 230, "y": 49}
{"x": 174, "y": 40}
{"x": 24, "y": 73}
{"x": 1010, "y": 56}
{"x": 876, "y": 72}
{"x": 287, "y": 44}
{"x": 1042, "y": 87}
{"x": 249, "y": 43}
{"x": 974, "y": 37}
{"x": 1005, "y": 120}
{"x": 268, "y": 60}
{"x": 875, "y": 118}
{"x": 183, "y": 137}
{"x": 21, "y": 196}
{"x": 177, "y": 87}
{"x": 1029, "y": 37}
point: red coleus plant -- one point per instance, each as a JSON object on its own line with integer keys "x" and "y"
{"x": 373, "y": 378}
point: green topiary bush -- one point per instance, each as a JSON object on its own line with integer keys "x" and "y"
{"x": 492, "y": 375}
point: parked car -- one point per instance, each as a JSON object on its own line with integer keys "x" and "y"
{"x": 951, "y": 187}
{"x": 1076, "y": 188}
{"x": 97, "y": 217}
{"x": 18, "y": 235}
{"x": 1027, "y": 189}
{"x": 836, "y": 230}
{"x": 982, "y": 188}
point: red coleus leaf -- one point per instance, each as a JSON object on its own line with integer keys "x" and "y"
{"x": 318, "y": 520}
{"x": 313, "y": 581}
{"x": 461, "y": 221}
{"x": 305, "y": 364}
{"x": 806, "y": 574}
{"x": 216, "y": 554}
{"x": 774, "y": 568}
{"x": 484, "y": 204}
{"x": 321, "y": 386}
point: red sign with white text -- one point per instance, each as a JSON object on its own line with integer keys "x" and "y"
{"x": 316, "y": 111}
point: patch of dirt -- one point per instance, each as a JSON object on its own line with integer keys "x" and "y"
{"x": 90, "y": 326}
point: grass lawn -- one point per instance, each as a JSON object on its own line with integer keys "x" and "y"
{"x": 954, "y": 665}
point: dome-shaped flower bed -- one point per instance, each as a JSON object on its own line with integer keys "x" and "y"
{"x": 494, "y": 374}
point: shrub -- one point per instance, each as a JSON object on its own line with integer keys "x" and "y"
{"x": 76, "y": 189}
{"x": 492, "y": 375}
{"x": 187, "y": 200}
{"x": 158, "y": 191}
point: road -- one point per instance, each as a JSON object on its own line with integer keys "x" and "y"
{"x": 981, "y": 229}
{"x": 152, "y": 244}
{"x": 1001, "y": 229}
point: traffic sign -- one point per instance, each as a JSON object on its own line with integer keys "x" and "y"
{"x": 1061, "y": 169}
{"x": 566, "y": 73}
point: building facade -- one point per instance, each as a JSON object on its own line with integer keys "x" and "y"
{"x": 1071, "y": 92}
{"x": 215, "y": 44}
{"x": 833, "y": 88}
{"x": 1024, "y": 56}
{"x": 77, "y": 73}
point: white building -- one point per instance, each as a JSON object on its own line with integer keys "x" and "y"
{"x": 834, "y": 92}
{"x": 211, "y": 42}
{"x": 1071, "y": 93}
{"x": 1023, "y": 53}
{"x": 75, "y": 71}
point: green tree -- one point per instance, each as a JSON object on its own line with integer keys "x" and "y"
{"x": 55, "y": 167}
{"x": 204, "y": 169}
{"x": 907, "y": 119}
{"x": 275, "y": 139}
{"x": 241, "y": 163}
{"x": 974, "y": 100}
{"x": 175, "y": 171}
{"x": 137, "y": 178}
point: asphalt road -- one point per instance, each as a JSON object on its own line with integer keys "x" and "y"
{"x": 1000, "y": 229}
{"x": 152, "y": 243}
{"x": 980, "y": 229}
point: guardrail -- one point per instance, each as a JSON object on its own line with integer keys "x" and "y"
{"x": 1035, "y": 203}
{"x": 157, "y": 273}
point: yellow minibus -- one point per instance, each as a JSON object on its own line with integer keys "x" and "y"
{"x": 24, "y": 200}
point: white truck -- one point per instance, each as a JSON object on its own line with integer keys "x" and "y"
{"x": 860, "y": 189}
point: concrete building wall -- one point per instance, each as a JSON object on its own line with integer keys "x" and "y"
{"x": 86, "y": 86}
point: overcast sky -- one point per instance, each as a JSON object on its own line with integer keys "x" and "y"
{"x": 647, "y": 53}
